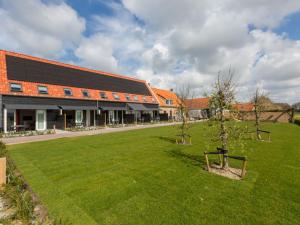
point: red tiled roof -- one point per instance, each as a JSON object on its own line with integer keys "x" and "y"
{"x": 197, "y": 103}
{"x": 162, "y": 95}
{"x": 243, "y": 106}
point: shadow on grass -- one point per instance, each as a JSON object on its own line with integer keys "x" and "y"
{"x": 167, "y": 139}
{"x": 195, "y": 160}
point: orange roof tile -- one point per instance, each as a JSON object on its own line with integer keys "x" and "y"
{"x": 243, "y": 106}
{"x": 163, "y": 95}
{"x": 197, "y": 103}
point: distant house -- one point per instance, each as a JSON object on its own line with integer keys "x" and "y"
{"x": 244, "y": 107}
{"x": 168, "y": 103}
{"x": 199, "y": 108}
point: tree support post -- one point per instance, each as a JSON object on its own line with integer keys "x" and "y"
{"x": 244, "y": 168}
{"x": 207, "y": 162}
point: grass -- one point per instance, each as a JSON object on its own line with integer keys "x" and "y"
{"x": 142, "y": 177}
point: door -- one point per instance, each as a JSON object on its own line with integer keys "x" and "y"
{"x": 41, "y": 121}
{"x": 110, "y": 117}
{"x": 78, "y": 117}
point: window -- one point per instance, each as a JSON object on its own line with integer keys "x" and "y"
{"x": 144, "y": 99}
{"x": 103, "y": 95}
{"x": 136, "y": 98}
{"x": 85, "y": 93}
{"x": 128, "y": 97}
{"x": 78, "y": 116}
{"x": 153, "y": 100}
{"x": 169, "y": 102}
{"x": 43, "y": 90}
{"x": 116, "y": 96}
{"x": 15, "y": 87}
{"x": 68, "y": 92}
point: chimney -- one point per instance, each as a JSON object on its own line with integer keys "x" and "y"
{"x": 171, "y": 89}
{"x": 149, "y": 84}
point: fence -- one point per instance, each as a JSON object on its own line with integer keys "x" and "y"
{"x": 282, "y": 116}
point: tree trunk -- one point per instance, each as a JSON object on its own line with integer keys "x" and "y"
{"x": 257, "y": 122}
{"x": 224, "y": 139}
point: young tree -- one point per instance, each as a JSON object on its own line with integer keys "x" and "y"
{"x": 261, "y": 102}
{"x": 222, "y": 98}
{"x": 183, "y": 93}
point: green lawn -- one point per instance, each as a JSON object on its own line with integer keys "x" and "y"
{"x": 141, "y": 177}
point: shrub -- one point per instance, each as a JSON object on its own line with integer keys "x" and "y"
{"x": 297, "y": 121}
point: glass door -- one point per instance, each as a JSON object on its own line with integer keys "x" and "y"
{"x": 110, "y": 117}
{"x": 40, "y": 123}
{"x": 78, "y": 117}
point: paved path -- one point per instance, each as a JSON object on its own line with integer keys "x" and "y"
{"x": 21, "y": 140}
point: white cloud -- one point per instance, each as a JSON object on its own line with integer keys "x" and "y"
{"x": 167, "y": 43}
{"x": 203, "y": 37}
{"x": 38, "y": 28}
{"x": 97, "y": 52}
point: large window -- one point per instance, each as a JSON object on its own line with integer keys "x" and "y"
{"x": 103, "y": 95}
{"x": 85, "y": 93}
{"x": 43, "y": 90}
{"x": 15, "y": 87}
{"x": 68, "y": 92}
{"x": 116, "y": 96}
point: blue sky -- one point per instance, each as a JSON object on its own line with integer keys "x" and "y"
{"x": 290, "y": 26}
{"x": 166, "y": 44}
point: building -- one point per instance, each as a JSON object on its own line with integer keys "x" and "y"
{"x": 243, "y": 107}
{"x": 168, "y": 104}
{"x": 199, "y": 108}
{"x": 39, "y": 94}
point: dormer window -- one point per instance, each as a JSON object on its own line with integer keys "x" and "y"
{"x": 128, "y": 98}
{"x": 116, "y": 96}
{"x": 43, "y": 90}
{"x": 103, "y": 95}
{"x": 85, "y": 93}
{"x": 136, "y": 98}
{"x": 169, "y": 102}
{"x": 15, "y": 87}
{"x": 68, "y": 92}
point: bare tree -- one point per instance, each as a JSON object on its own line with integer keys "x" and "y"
{"x": 222, "y": 98}
{"x": 261, "y": 102}
{"x": 183, "y": 93}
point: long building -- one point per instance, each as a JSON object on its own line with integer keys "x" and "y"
{"x": 39, "y": 94}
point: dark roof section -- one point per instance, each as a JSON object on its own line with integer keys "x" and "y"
{"x": 35, "y": 71}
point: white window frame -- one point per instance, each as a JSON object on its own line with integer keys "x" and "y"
{"x": 45, "y": 120}
{"x": 20, "y": 85}
{"x": 68, "y": 89}
{"x": 76, "y": 119}
{"x": 116, "y": 96}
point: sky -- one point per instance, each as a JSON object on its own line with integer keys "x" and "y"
{"x": 166, "y": 42}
